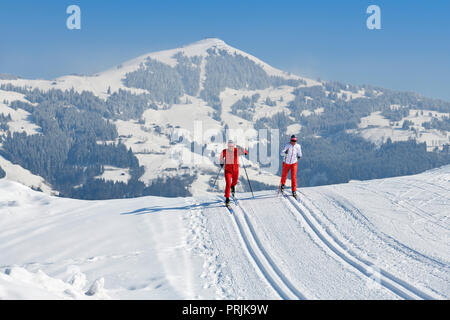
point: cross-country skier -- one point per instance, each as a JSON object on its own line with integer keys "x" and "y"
{"x": 292, "y": 152}
{"x": 230, "y": 159}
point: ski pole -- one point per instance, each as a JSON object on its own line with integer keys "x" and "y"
{"x": 245, "y": 169}
{"x": 220, "y": 170}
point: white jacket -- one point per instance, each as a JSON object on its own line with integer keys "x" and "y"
{"x": 293, "y": 152}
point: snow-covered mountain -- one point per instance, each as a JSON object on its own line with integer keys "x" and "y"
{"x": 145, "y": 103}
{"x": 380, "y": 239}
{"x": 112, "y": 78}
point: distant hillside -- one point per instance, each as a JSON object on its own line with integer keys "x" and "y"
{"x": 111, "y": 135}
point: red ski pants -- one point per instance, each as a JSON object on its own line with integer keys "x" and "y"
{"x": 293, "y": 168}
{"x": 231, "y": 179}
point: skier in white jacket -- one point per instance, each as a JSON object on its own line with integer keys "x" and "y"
{"x": 292, "y": 152}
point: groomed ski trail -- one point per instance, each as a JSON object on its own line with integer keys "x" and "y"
{"x": 256, "y": 252}
{"x": 394, "y": 284}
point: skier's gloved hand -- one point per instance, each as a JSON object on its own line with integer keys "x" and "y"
{"x": 287, "y": 151}
{"x": 242, "y": 150}
{"x": 221, "y": 165}
{"x": 298, "y": 158}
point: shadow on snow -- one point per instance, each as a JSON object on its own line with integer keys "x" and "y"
{"x": 148, "y": 210}
{"x": 212, "y": 204}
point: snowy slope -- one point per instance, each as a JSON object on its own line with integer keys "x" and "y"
{"x": 378, "y": 129}
{"x": 380, "y": 239}
{"x": 15, "y": 172}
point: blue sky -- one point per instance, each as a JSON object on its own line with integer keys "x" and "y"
{"x": 326, "y": 39}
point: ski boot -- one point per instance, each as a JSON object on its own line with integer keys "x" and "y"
{"x": 282, "y": 188}
{"x": 233, "y": 191}
{"x": 294, "y": 194}
{"x": 227, "y": 202}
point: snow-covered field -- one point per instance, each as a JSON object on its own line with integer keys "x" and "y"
{"x": 19, "y": 118}
{"x": 380, "y": 239}
{"x": 378, "y": 129}
{"x": 15, "y": 172}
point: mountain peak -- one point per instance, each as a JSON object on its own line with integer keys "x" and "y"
{"x": 197, "y": 48}
{"x": 113, "y": 77}
{"x": 201, "y": 47}
{"x": 210, "y": 42}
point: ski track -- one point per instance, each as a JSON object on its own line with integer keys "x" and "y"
{"x": 407, "y": 206}
{"x": 199, "y": 242}
{"x": 272, "y": 274}
{"x": 410, "y": 208}
{"x": 339, "y": 201}
{"x": 244, "y": 259}
{"x": 389, "y": 240}
{"x": 394, "y": 284}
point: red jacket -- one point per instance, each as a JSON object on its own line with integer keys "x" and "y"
{"x": 231, "y": 159}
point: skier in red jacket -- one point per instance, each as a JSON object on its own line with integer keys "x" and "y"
{"x": 230, "y": 159}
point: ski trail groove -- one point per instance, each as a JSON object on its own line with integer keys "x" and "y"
{"x": 390, "y": 241}
{"x": 280, "y": 274}
{"x": 389, "y": 281}
{"x": 268, "y": 268}
{"x": 403, "y": 283}
{"x": 409, "y": 207}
